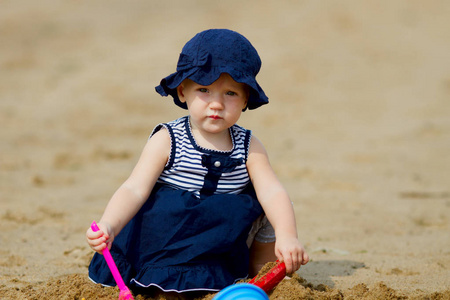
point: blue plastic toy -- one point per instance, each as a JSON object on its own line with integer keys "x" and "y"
{"x": 241, "y": 291}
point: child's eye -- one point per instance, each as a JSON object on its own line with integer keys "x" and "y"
{"x": 231, "y": 93}
{"x": 203, "y": 90}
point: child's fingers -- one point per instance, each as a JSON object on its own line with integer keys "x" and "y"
{"x": 97, "y": 240}
{"x": 305, "y": 258}
{"x": 293, "y": 260}
{"x": 300, "y": 258}
{"x": 90, "y": 234}
{"x": 287, "y": 259}
{"x": 296, "y": 261}
{"x": 98, "y": 244}
{"x": 292, "y": 253}
{"x": 99, "y": 248}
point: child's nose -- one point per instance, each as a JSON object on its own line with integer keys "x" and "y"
{"x": 217, "y": 102}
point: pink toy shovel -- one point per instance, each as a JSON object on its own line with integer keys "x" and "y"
{"x": 125, "y": 293}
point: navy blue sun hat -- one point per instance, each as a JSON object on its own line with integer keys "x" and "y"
{"x": 211, "y": 53}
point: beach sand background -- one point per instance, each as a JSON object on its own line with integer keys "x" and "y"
{"x": 358, "y": 129}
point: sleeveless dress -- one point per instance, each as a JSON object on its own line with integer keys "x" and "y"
{"x": 191, "y": 233}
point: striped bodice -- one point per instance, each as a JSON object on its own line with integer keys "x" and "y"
{"x": 204, "y": 171}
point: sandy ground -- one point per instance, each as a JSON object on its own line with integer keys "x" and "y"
{"x": 358, "y": 127}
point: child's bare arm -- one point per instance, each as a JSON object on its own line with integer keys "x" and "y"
{"x": 277, "y": 206}
{"x": 133, "y": 193}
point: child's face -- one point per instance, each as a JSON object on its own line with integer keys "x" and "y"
{"x": 216, "y": 107}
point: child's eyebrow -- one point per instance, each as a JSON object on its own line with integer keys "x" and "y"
{"x": 237, "y": 86}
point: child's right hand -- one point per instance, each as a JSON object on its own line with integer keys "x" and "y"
{"x": 101, "y": 239}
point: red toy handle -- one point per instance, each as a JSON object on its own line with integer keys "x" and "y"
{"x": 272, "y": 278}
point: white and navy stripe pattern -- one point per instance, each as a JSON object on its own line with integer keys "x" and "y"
{"x": 184, "y": 169}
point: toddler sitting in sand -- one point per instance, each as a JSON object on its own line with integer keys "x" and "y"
{"x": 191, "y": 216}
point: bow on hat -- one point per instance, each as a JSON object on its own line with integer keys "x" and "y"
{"x": 186, "y": 62}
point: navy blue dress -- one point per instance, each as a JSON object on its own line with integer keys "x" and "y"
{"x": 180, "y": 241}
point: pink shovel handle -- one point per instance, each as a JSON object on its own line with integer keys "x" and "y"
{"x": 111, "y": 264}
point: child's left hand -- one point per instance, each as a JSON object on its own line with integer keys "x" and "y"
{"x": 291, "y": 251}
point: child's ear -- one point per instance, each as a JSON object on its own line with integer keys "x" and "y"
{"x": 245, "y": 105}
{"x": 247, "y": 92}
{"x": 180, "y": 92}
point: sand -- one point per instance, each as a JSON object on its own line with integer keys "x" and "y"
{"x": 357, "y": 128}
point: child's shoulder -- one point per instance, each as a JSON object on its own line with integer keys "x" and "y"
{"x": 180, "y": 122}
{"x": 237, "y": 129}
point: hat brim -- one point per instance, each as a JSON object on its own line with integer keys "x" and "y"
{"x": 207, "y": 76}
